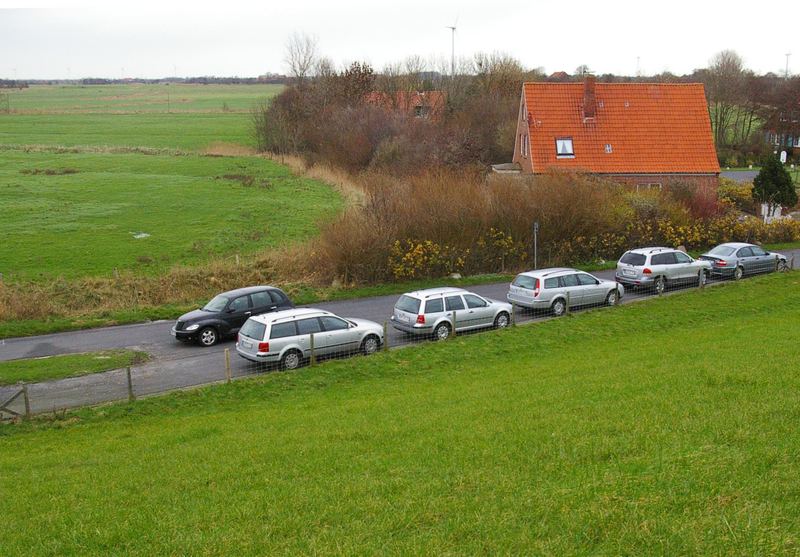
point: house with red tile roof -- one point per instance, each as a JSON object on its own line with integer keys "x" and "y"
{"x": 419, "y": 104}
{"x": 643, "y": 134}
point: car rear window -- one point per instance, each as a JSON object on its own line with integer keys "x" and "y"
{"x": 408, "y": 304}
{"x": 283, "y": 330}
{"x": 253, "y": 329}
{"x": 435, "y": 305}
{"x": 631, "y": 258}
{"x": 524, "y": 281}
{"x": 721, "y": 250}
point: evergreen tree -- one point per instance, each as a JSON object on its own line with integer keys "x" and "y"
{"x": 774, "y": 186}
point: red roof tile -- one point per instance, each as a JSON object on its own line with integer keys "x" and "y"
{"x": 650, "y": 127}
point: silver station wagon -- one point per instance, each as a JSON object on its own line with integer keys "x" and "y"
{"x": 284, "y": 337}
{"x": 431, "y": 312}
{"x": 658, "y": 267}
{"x": 552, "y": 289}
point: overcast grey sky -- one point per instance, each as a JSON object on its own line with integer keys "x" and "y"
{"x": 155, "y": 39}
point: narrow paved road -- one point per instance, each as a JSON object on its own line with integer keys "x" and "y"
{"x": 740, "y": 175}
{"x": 176, "y": 365}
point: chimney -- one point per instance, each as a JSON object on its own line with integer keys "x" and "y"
{"x": 589, "y": 105}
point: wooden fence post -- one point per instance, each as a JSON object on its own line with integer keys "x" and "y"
{"x": 228, "y": 364}
{"x": 385, "y": 335}
{"x": 27, "y": 399}
{"x": 454, "y": 323}
{"x": 567, "y": 304}
{"x": 313, "y": 353}
{"x": 131, "y": 396}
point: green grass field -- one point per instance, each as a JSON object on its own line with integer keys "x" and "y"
{"x": 70, "y": 365}
{"x": 75, "y": 215}
{"x": 665, "y": 427}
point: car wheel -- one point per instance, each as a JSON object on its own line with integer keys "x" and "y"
{"x": 502, "y": 320}
{"x": 291, "y": 360}
{"x": 442, "y": 331}
{"x": 370, "y": 345}
{"x": 737, "y": 274}
{"x": 207, "y": 336}
{"x": 780, "y": 265}
{"x": 661, "y": 285}
{"x": 559, "y": 307}
{"x": 613, "y": 298}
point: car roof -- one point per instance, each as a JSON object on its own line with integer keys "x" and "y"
{"x": 735, "y": 245}
{"x": 549, "y": 272}
{"x": 428, "y": 292}
{"x": 648, "y": 251}
{"x": 289, "y": 314}
{"x": 246, "y": 290}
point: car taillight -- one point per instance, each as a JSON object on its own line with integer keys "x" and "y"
{"x": 263, "y": 347}
{"x": 647, "y": 271}
{"x": 536, "y": 288}
{"x": 420, "y": 319}
{"x": 720, "y": 263}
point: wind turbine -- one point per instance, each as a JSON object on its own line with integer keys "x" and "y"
{"x": 452, "y": 46}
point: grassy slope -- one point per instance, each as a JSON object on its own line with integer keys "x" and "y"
{"x": 80, "y": 224}
{"x": 654, "y": 428}
{"x": 70, "y": 365}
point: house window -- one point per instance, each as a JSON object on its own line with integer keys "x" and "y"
{"x": 608, "y": 148}
{"x": 564, "y": 148}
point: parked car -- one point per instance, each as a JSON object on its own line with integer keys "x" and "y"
{"x": 551, "y": 288}
{"x": 430, "y": 312}
{"x": 659, "y": 267}
{"x": 736, "y": 259}
{"x": 285, "y": 336}
{"x": 227, "y": 312}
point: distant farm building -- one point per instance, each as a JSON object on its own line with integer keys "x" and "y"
{"x": 419, "y": 104}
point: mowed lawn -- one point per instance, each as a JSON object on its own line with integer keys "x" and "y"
{"x": 73, "y": 215}
{"x": 664, "y": 427}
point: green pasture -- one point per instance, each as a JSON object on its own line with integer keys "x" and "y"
{"x": 33, "y": 370}
{"x": 644, "y": 429}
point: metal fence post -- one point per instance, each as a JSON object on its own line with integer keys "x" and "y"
{"x": 791, "y": 264}
{"x": 131, "y": 396}
{"x": 313, "y": 353}
{"x": 454, "y": 323}
{"x": 27, "y": 399}
{"x": 385, "y": 335}
{"x": 228, "y": 364}
{"x": 513, "y": 314}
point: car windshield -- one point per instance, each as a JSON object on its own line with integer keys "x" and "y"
{"x": 631, "y": 258}
{"x": 217, "y": 304}
{"x": 408, "y": 304}
{"x": 253, "y": 329}
{"x": 721, "y": 250}
{"x": 524, "y": 281}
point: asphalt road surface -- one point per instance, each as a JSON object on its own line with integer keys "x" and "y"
{"x": 740, "y": 175}
{"x": 176, "y": 365}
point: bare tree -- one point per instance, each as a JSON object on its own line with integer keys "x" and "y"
{"x": 301, "y": 55}
{"x": 724, "y": 81}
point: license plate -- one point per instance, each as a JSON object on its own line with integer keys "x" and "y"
{"x": 629, "y": 272}
{"x": 405, "y": 318}
{"x": 246, "y": 344}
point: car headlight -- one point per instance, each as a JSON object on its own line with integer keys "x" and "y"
{"x": 192, "y": 327}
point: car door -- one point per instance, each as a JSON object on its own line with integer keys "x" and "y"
{"x": 479, "y": 310}
{"x": 746, "y": 259}
{"x": 591, "y": 291}
{"x": 238, "y": 311}
{"x": 454, "y": 303}
{"x": 762, "y": 262}
{"x": 572, "y": 286}
{"x": 307, "y": 327}
{"x": 684, "y": 268}
{"x": 338, "y": 336}
{"x": 662, "y": 264}
{"x": 262, "y": 302}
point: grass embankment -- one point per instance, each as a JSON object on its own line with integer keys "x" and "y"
{"x": 74, "y": 215}
{"x": 69, "y": 365}
{"x": 645, "y": 429}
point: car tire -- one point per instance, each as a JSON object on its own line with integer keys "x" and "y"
{"x": 291, "y": 360}
{"x": 780, "y": 265}
{"x": 559, "y": 307}
{"x": 613, "y": 298}
{"x": 738, "y": 273}
{"x": 370, "y": 345}
{"x": 207, "y": 336}
{"x": 660, "y": 285}
{"x": 442, "y": 331}
{"x": 502, "y": 320}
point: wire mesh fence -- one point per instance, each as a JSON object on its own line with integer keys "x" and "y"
{"x": 309, "y": 336}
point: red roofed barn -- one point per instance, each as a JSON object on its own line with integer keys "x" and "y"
{"x": 644, "y": 134}
{"x": 419, "y": 104}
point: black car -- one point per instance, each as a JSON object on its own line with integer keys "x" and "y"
{"x": 227, "y": 312}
